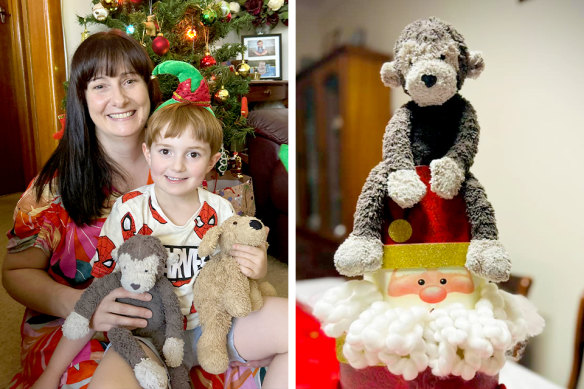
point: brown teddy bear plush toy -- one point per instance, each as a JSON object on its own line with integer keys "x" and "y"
{"x": 222, "y": 291}
{"x": 140, "y": 265}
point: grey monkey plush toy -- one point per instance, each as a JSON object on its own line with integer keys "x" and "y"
{"x": 439, "y": 128}
{"x": 140, "y": 265}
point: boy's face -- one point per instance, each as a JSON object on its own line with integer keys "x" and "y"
{"x": 178, "y": 165}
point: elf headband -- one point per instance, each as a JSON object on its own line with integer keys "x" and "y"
{"x": 192, "y": 85}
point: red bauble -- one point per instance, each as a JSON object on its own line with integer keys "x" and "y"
{"x": 207, "y": 60}
{"x": 227, "y": 18}
{"x": 136, "y": 1}
{"x": 160, "y": 45}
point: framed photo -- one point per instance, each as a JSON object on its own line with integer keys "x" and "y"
{"x": 264, "y": 55}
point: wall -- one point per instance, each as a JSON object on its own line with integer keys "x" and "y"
{"x": 529, "y": 105}
{"x": 72, "y": 30}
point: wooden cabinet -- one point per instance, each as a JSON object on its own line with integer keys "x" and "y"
{"x": 265, "y": 91}
{"x": 342, "y": 110}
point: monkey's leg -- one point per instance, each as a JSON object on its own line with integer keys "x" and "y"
{"x": 362, "y": 251}
{"x": 486, "y": 255}
{"x": 179, "y": 377}
{"x": 150, "y": 374}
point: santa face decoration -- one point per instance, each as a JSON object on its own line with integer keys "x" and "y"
{"x": 433, "y": 287}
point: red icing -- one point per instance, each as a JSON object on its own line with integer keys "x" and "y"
{"x": 316, "y": 362}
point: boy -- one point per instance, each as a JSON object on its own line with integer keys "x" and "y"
{"x": 182, "y": 143}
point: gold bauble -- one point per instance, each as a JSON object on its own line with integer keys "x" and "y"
{"x": 221, "y": 95}
{"x": 110, "y": 5}
{"x": 243, "y": 69}
{"x": 84, "y": 35}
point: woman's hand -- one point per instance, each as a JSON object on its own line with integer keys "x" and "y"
{"x": 110, "y": 313}
{"x": 253, "y": 261}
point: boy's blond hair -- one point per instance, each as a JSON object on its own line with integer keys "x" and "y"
{"x": 180, "y": 117}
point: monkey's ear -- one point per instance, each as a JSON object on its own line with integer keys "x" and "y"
{"x": 210, "y": 240}
{"x": 476, "y": 64}
{"x": 390, "y": 75}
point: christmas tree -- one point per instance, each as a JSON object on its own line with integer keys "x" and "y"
{"x": 187, "y": 30}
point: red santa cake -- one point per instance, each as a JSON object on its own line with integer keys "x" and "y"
{"x": 423, "y": 320}
{"x": 427, "y": 312}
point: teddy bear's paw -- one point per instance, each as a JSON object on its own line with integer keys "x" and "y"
{"x": 75, "y": 326}
{"x": 173, "y": 351}
{"x": 358, "y": 255}
{"x": 151, "y": 375}
{"x": 447, "y": 177}
{"x": 488, "y": 258}
{"x": 405, "y": 188}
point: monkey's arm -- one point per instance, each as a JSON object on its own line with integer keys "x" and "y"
{"x": 369, "y": 212}
{"x": 171, "y": 309}
{"x": 466, "y": 144}
{"x": 76, "y": 325}
{"x": 173, "y": 347}
{"x": 397, "y": 150}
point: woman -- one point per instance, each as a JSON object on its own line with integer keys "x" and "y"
{"x": 59, "y": 217}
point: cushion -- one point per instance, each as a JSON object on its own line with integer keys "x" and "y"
{"x": 270, "y": 123}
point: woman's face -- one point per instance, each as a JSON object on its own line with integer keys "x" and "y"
{"x": 118, "y": 106}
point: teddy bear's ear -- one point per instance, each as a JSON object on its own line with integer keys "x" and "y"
{"x": 476, "y": 64}
{"x": 390, "y": 75}
{"x": 209, "y": 241}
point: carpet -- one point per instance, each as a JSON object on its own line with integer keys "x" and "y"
{"x": 11, "y": 310}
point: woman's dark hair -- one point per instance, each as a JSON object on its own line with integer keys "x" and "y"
{"x": 84, "y": 173}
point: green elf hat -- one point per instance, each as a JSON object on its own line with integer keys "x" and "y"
{"x": 192, "y": 85}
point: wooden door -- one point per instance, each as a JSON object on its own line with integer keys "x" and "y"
{"x": 12, "y": 178}
{"x": 32, "y": 73}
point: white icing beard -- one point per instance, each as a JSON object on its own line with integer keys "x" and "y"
{"x": 451, "y": 340}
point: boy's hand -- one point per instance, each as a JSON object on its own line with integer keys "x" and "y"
{"x": 253, "y": 261}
